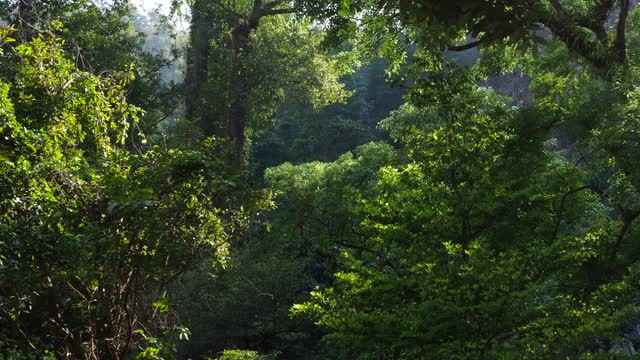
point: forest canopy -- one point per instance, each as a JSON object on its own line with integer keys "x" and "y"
{"x": 349, "y": 179}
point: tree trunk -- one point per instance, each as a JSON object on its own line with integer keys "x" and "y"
{"x": 25, "y": 20}
{"x": 198, "y": 64}
{"x": 226, "y": 118}
{"x": 240, "y": 86}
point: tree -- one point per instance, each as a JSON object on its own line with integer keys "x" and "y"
{"x": 274, "y": 266}
{"x": 102, "y": 39}
{"x": 245, "y": 57}
{"x": 492, "y": 241}
{"x": 433, "y": 270}
{"x": 438, "y": 25}
{"x": 301, "y": 134}
{"x": 93, "y": 234}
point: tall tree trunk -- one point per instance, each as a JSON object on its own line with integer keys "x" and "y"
{"x": 198, "y": 63}
{"x": 226, "y": 118}
{"x": 240, "y": 85}
{"x": 25, "y": 20}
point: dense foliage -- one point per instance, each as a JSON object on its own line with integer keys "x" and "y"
{"x": 348, "y": 179}
{"x": 256, "y": 54}
{"x": 92, "y": 233}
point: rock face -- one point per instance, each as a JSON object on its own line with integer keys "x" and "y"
{"x": 515, "y": 85}
{"x": 628, "y": 344}
{"x": 634, "y": 333}
{"x": 624, "y": 346}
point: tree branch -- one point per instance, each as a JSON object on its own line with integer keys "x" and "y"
{"x": 558, "y": 7}
{"x": 279, "y": 11}
{"x": 274, "y": 4}
{"x": 571, "y": 31}
{"x": 562, "y": 202}
{"x": 227, "y": 9}
{"x": 628, "y": 217}
{"x": 464, "y": 47}
{"x": 567, "y": 31}
{"x": 597, "y": 20}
